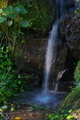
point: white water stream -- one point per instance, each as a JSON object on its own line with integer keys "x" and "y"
{"x": 51, "y": 47}
{"x": 50, "y": 54}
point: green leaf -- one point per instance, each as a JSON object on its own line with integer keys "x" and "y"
{"x": 29, "y": 5}
{"x": 19, "y": 76}
{"x": 23, "y": 11}
{"x": 8, "y": 93}
{"x": 19, "y": 82}
{"x": 12, "y": 16}
{"x": 5, "y": 107}
{"x": 8, "y": 9}
{"x": 9, "y": 68}
{"x": 1, "y": 66}
{"x": 16, "y": 9}
{"x": 5, "y": 10}
{"x": 10, "y": 23}
{"x": 1, "y": 10}
{"x": 2, "y": 19}
{"x": 20, "y": 6}
{"x": 24, "y": 23}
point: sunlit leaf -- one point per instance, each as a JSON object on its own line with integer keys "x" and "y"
{"x": 1, "y": 10}
{"x": 5, "y": 107}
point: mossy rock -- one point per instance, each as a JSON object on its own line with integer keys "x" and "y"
{"x": 77, "y": 74}
{"x": 72, "y": 101}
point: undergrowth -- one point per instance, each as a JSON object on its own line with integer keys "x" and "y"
{"x": 10, "y": 82}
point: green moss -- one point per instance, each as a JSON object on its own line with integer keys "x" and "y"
{"x": 72, "y": 101}
{"x": 77, "y": 74}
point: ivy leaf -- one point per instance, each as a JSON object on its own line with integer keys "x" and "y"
{"x": 2, "y": 19}
{"x": 24, "y": 23}
{"x": 10, "y": 23}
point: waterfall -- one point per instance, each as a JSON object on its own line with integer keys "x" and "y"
{"x": 50, "y": 54}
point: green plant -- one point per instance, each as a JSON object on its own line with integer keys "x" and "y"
{"x": 3, "y": 3}
{"x": 77, "y": 74}
{"x": 78, "y": 9}
{"x": 39, "y": 14}
{"x": 11, "y": 23}
{"x": 62, "y": 115}
{"x": 10, "y": 83}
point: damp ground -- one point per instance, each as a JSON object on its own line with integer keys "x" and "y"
{"x": 28, "y": 112}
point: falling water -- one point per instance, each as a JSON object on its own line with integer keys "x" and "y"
{"x": 50, "y": 54}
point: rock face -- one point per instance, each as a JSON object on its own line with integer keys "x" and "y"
{"x": 67, "y": 51}
{"x": 67, "y": 47}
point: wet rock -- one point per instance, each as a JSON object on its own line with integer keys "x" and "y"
{"x": 68, "y": 56}
{"x": 70, "y": 30}
{"x": 31, "y": 59}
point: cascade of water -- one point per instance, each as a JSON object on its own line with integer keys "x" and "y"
{"x": 51, "y": 45}
{"x": 50, "y": 53}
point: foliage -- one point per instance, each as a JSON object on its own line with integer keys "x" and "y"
{"x": 9, "y": 14}
{"x": 11, "y": 23}
{"x": 61, "y": 115}
{"x": 77, "y": 11}
{"x": 3, "y": 3}
{"x": 39, "y": 14}
{"x": 10, "y": 83}
{"x": 77, "y": 74}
